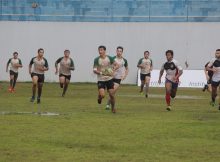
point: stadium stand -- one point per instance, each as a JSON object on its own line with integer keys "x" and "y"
{"x": 111, "y": 10}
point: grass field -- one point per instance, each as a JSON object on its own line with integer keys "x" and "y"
{"x": 141, "y": 130}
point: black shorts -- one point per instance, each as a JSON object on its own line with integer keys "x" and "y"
{"x": 66, "y": 76}
{"x": 143, "y": 76}
{"x": 13, "y": 73}
{"x": 40, "y": 77}
{"x": 215, "y": 84}
{"x": 118, "y": 81}
{"x": 106, "y": 84}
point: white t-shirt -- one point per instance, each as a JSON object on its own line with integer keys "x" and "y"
{"x": 13, "y": 62}
{"x": 172, "y": 69}
{"x": 147, "y": 65}
{"x": 122, "y": 63}
{"x": 216, "y": 64}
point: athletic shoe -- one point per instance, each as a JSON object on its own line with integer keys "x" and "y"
{"x": 205, "y": 88}
{"x": 38, "y": 100}
{"x": 212, "y": 103}
{"x": 114, "y": 110}
{"x": 10, "y": 89}
{"x": 107, "y": 107}
{"x": 13, "y": 90}
{"x": 146, "y": 95}
{"x": 168, "y": 108}
{"x": 32, "y": 99}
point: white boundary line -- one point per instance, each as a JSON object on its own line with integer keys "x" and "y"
{"x": 31, "y": 113}
{"x": 162, "y": 96}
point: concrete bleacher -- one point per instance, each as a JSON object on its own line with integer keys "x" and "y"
{"x": 111, "y": 10}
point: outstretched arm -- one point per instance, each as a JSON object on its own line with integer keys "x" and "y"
{"x": 8, "y": 65}
{"x": 160, "y": 75}
{"x": 206, "y": 74}
{"x": 30, "y": 66}
{"x": 126, "y": 73}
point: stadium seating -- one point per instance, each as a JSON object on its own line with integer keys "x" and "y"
{"x": 111, "y": 10}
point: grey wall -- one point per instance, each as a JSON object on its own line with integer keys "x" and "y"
{"x": 194, "y": 42}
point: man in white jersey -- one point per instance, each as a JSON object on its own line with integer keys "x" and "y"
{"x": 119, "y": 74}
{"x": 103, "y": 68}
{"x": 146, "y": 65}
{"x": 37, "y": 73}
{"x": 66, "y": 65}
{"x": 214, "y": 66}
{"x": 173, "y": 72}
{"x": 15, "y": 64}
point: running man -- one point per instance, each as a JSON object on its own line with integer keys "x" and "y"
{"x": 66, "y": 65}
{"x": 208, "y": 75}
{"x": 37, "y": 74}
{"x": 103, "y": 68}
{"x": 146, "y": 65}
{"x": 214, "y": 66}
{"x": 173, "y": 72}
{"x": 119, "y": 74}
{"x": 15, "y": 64}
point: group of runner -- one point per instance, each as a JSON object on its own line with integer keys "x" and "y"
{"x": 37, "y": 67}
{"x": 110, "y": 72}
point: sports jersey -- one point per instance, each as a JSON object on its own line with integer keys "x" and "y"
{"x": 122, "y": 63}
{"x": 38, "y": 64}
{"x": 13, "y": 62}
{"x": 147, "y": 65}
{"x": 210, "y": 73}
{"x": 65, "y": 65}
{"x": 216, "y": 64}
{"x": 172, "y": 68}
{"x": 103, "y": 64}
